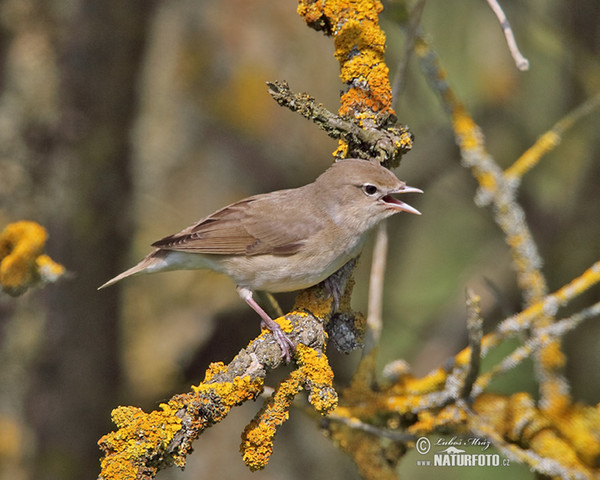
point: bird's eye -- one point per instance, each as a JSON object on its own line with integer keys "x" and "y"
{"x": 369, "y": 189}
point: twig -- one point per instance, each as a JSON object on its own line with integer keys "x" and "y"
{"x": 357, "y": 424}
{"x": 376, "y": 285}
{"x": 493, "y": 187}
{"x": 547, "y": 306}
{"x": 542, "y": 338}
{"x": 474, "y": 329}
{"x": 270, "y": 303}
{"x": 382, "y": 142}
{"x": 549, "y": 140}
{"x": 521, "y": 62}
{"x": 546, "y": 466}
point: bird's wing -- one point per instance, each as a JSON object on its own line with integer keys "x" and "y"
{"x": 253, "y": 226}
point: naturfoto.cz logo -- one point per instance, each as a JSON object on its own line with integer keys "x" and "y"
{"x": 452, "y": 453}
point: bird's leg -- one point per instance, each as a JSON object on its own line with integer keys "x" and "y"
{"x": 282, "y": 339}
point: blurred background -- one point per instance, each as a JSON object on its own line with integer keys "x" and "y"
{"x": 123, "y": 122}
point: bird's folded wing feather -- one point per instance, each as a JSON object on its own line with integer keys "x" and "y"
{"x": 254, "y": 226}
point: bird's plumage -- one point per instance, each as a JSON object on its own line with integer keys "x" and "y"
{"x": 288, "y": 239}
{"x": 322, "y": 224}
{"x": 242, "y": 228}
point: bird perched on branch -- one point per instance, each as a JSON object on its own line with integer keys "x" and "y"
{"x": 285, "y": 240}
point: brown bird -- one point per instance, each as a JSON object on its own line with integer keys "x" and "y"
{"x": 288, "y": 239}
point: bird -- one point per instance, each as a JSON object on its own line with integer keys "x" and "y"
{"x": 285, "y": 240}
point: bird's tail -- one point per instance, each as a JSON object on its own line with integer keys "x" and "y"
{"x": 147, "y": 265}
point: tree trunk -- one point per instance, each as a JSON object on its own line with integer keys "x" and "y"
{"x": 86, "y": 173}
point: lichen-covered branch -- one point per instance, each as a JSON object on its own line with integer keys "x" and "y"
{"x": 360, "y": 51}
{"x": 313, "y": 374}
{"x": 565, "y": 444}
{"x": 22, "y": 261}
{"x": 549, "y": 140}
{"x": 377, "y": 420}
{"x": 555, "y": 437}
{"x": 383, "y": 142}
{"x": 500, "y": 189}
{"x": 145, "y": 443}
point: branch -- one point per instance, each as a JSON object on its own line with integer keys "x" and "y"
{"x": 497, "y": 188}
{"x": 542, "y": 338}
{"x": 520, "y": 61}
{"x": 475, "y": 331}
{"x": 148, "y": 442}
{"x": 376, "y": 285}
{"x": 549, "y": 140}
{"x": 360, "y": 50}
{"x": 409, "y": 46}
{"x": 385, "y": 141}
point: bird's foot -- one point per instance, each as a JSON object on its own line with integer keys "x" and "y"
{"x": 284, "y": 342}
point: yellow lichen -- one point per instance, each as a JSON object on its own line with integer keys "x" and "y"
{"x": 581, "y": 425}
{"x": 257, "y": 438}
{"x": 315, "y": 301}
{"x": 549, "y": 446}
{"x": 232, "y": 392}
{"x": 313, "y": 373}
{"x": 12, "y": 434}
{"x": 546, "y": 143}
{"x": 140, "y": 436}
{"x": 21, "y": 261}
{"x": 318, "y": 375}
{"x": 143, "y": 437}
{"x": 48, "y": 269}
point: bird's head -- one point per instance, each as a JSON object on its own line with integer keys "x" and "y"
{"x": 362, "y": 193}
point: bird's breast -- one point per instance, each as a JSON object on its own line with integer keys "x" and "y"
{"x": 314, "y": 262}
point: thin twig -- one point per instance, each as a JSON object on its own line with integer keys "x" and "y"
{"x": 475, "y": 331}
{"x": 376, "y": 284}
{"x": 521, "y": 62}
{"x": 549, "y": 140}
{"x": 356, "y": 424}
{"x": 543, "y": 337}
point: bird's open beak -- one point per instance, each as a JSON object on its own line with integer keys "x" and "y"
{"x": 396, "y": 204}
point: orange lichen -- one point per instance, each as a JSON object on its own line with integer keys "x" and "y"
{"x": 360, "y": 50}
{"x": 21, "y": 261}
